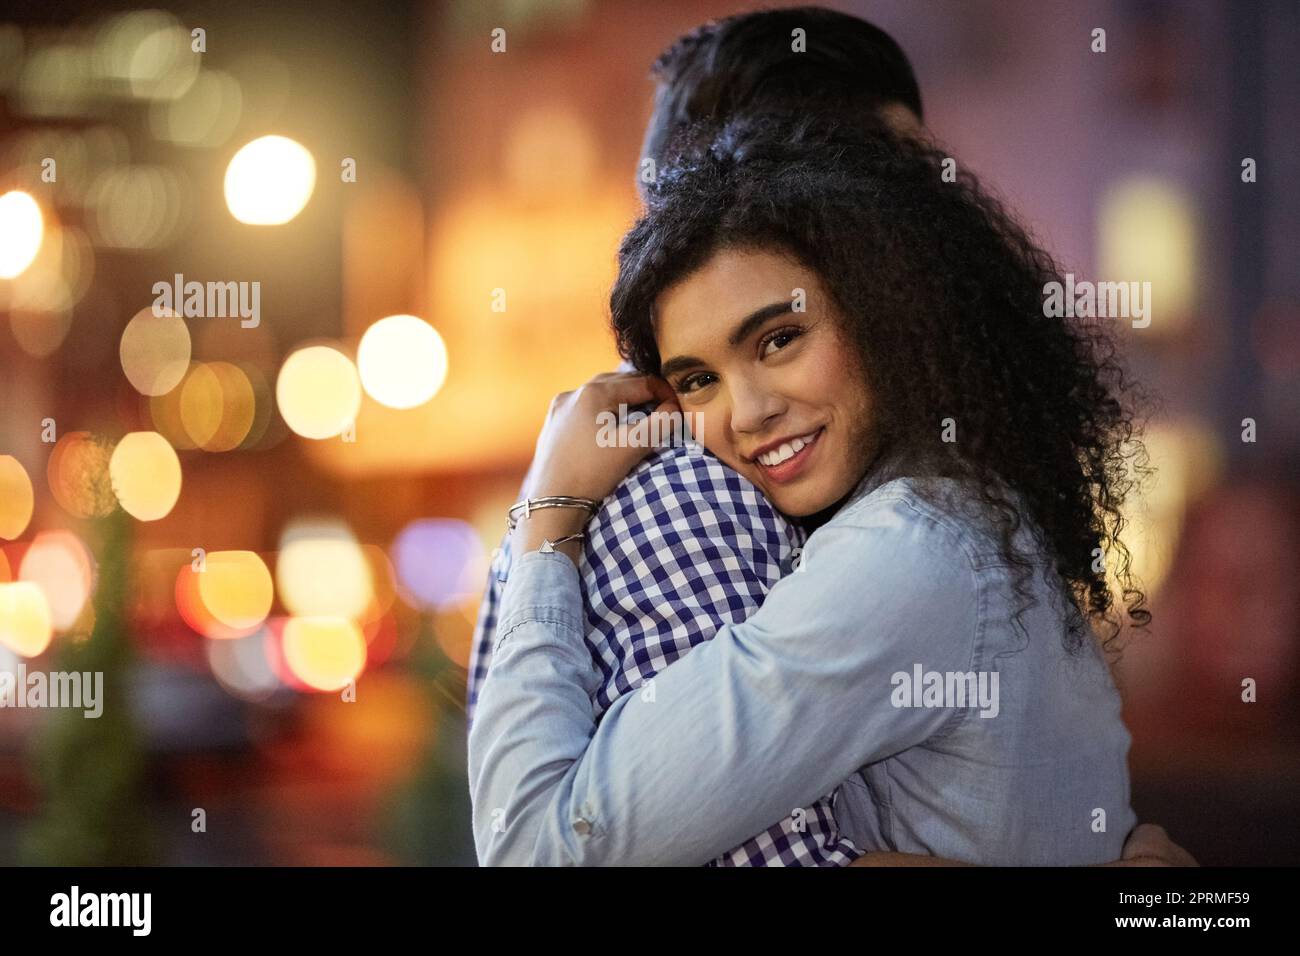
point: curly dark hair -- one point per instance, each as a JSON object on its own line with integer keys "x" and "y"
{"x": 942, "y": 291}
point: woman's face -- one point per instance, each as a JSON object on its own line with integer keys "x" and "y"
{"x": 769, "y": 375}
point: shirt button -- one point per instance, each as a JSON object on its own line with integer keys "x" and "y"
{"x": 581, "y": 827}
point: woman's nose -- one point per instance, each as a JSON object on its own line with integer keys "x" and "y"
{"x": 753, "y": 408}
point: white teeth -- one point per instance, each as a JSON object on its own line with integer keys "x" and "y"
{"x": 786, "y": 451}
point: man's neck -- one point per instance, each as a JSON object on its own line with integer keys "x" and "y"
{"x": 810, "y": 523}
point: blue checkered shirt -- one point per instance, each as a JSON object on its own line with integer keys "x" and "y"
{"x": 683, "y": 547}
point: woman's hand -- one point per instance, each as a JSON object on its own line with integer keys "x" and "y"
{"x": 570, "y": 459}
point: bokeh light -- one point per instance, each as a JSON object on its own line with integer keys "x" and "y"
{"x": 58, "y": 276}
{"x": 269, "y": 181}
{"x": 190, "y": 605}
{"x": 439, "y": 562}
{"x": 242, "y": 665}
{"x": 163, "y": 66}
{"x": 146, "y": 54}
{"x": 165, "y": 413}
{"x": 216, "y": 408}
{"x": 146, "y": 475}
{"x": 318, "y": 392}
{"x": 260, "y": 432}
{"x": 17, "y": 498}
{"x": 78, "y": 475}
{"x": 325, "y": 653}
{"x": 236, "y": 409}
{"x": 402, "y": 361}
{"x": 1190, "y": 461}
{"x": 39, "y": 332}
{"x": 136, "y": 207}
{"x": 1146, "y": 232}
{"x": 205, "y": 115}
{"x": 274, "y": 647}
{"x": 322, "y": 570}
{"x": 236, "y": 590}
{"x": 61, "y": 565}
{"x": 155, "y": 351}
{"x": 25, "y": 625}
{"x": 21, "y": 230}
{"x": 40, "y": 300}
{"x": 200, "y": 402}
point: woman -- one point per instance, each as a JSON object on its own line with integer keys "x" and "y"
{"x": 867, "y": 343}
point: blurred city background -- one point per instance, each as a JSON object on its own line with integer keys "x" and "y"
{"x": 432, "y": 227}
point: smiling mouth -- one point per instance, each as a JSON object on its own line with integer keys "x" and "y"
{"x": 786, "y": 461}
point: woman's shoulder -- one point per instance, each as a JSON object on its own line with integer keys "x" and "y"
{"x": 898, "y": 542}
{"x": 894, "y": 561}
{"x": 934, "y": 511}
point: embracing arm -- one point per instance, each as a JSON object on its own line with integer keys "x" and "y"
{"x": 770, "y": 714}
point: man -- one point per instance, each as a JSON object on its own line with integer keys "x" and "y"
{"x": 685, "y": 545}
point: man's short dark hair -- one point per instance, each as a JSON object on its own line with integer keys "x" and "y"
{"x": 746, "y": 63}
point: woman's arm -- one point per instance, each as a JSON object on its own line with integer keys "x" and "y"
{"x": 767, "y": 716}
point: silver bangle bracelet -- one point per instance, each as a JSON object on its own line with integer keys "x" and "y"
{"x": 529, "y": 505}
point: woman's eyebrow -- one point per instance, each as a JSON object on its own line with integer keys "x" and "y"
{"x": 743, "y": 330}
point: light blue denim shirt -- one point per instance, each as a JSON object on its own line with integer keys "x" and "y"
{"x": 854, "y": 664}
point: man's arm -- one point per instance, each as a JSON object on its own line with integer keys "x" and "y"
{"x": 485, "y": 629}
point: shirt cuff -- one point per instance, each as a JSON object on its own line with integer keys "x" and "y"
{"x": 542, "y": 588}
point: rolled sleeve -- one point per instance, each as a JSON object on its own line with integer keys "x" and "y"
{"x": 534, "y": 717}
{"x": 548, "y": 592}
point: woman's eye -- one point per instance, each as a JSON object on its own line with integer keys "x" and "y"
{"x": 777, "y": 341}
{"x": 693, "y": 382}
